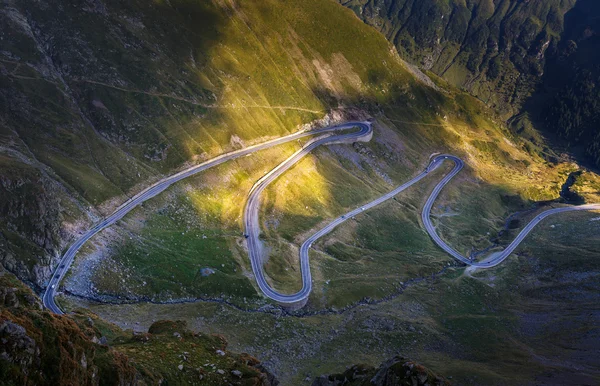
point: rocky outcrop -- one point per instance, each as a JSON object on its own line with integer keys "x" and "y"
{"x": 18, "y": 347}
{"x": 40, "y": 348}
{"x": 30, "y": 221}
{"x": 396, "y": 371}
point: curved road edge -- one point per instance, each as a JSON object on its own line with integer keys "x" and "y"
{"x": 495, "y": 258}
{"x": 251, "y": 222}
{"x": 253, "y": 229}
{"x": 252, "y": 209}
{"x": 67, "y": 259}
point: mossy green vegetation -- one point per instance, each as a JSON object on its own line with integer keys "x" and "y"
{"x": 170, "y": 261}
{"x": 40, "y": 348}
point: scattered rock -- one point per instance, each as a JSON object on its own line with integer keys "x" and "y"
{"x": 396, "y": 371}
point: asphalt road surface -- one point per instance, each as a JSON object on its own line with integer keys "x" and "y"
{"x": 252, "y": 228}
{"x": 160, "y": 186}
{"x": 251, "y": 221}
{"x": 252, "y": 225}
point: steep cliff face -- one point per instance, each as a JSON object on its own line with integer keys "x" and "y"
{"x": 534, "y": 61}
{"x": 40, "y": 348}
{"x": 30, "y": 226}
{"x": 494, "y": 49}
{"x": 569, "y": 98}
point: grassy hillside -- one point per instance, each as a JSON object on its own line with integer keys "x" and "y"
{"x": 532, "y": 320}
{"x": 114, "y": 96}
{"x": 105, "y": 98}
{"x": 133, "y": 92}
{"x": 187, "y": 243}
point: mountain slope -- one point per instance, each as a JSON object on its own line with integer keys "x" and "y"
{"x": 493, "y": 49}
{"x": 101, "y": 98}
{"x": 532, "y": 61}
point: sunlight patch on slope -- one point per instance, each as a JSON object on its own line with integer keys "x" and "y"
{"x": 302, "y": 191}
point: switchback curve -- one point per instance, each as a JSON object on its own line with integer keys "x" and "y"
{"x": 252, "y": 228}
{"x": 48, "y": 298}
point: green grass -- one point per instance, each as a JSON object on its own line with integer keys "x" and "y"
{"x": 479, "y": 330}
{"x": 388, "y": 232}
{"x": 95, "y": 187}
{"x": 167, "y": 258}
{"x": 162, "y": 247}
{"x": 177, "y": 90}
{"x": 208, "y": 76}
{"x": 181, "y": 93}
{"x": 470, "y": 215}
{"x": 168, "y": 261}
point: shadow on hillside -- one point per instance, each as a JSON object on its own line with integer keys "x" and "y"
{"x": 565, "y": 103}
{"x": 118, "y": 83}
{"x": 158, "y": 90}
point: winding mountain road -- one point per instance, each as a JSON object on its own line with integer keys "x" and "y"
{"x": 495, "y": 258}
{"x": 253, "y": 229}
{"x": 251, "y": 212}
{"x": 153, "y": 190}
